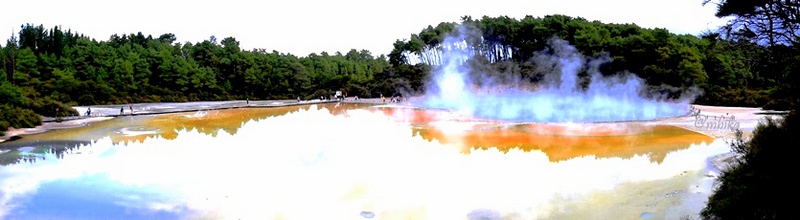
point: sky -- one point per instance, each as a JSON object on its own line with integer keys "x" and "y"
{"x": 302, "y": 27}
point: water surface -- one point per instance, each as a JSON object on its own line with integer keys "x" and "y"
{"x": 353, "y": 162}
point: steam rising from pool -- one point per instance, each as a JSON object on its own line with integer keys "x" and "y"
{"x": 315, "y": 165}
{"x": 558, "y": 99}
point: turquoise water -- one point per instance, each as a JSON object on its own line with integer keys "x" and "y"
{"x": 93, "y": 197}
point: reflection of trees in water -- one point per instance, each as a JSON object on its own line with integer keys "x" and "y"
{"x": 559, "y": 142}
{"x": 169, "y": 124}
{"x": 657, "y": 142}
{"x": 41, "y": 151}
{"x": 211, "y": 122}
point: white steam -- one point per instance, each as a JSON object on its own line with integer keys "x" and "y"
{"x": 559, "y": 99}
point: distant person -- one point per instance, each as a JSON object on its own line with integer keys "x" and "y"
{"x": 121, "y": 110}
{"x": 298, "y": 99}
{"x": 88, "y": 111}
{"x": 383, "y": 99}
{"x": 131, "y": 107}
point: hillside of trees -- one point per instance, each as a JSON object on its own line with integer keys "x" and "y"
{"x": 49, "y": 69}
{"x": 731, "y": 71}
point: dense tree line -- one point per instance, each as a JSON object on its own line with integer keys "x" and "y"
{"x": 51, "y": 69}
{"x": 731, "y": 71}
{"x": 135, "y": 68}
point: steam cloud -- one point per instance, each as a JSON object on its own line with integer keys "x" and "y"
{"x": 559, "y": 99}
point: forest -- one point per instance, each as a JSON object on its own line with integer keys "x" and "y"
{"x": 732, "y": 72}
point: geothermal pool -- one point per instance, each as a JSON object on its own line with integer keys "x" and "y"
{"x": 350, "y": 161}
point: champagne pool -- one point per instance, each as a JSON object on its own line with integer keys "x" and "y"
{"x": 355, "y": 161}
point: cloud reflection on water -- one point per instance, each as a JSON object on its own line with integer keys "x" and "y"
{"x": 211, "y": 122}
{"x": 314, "y": 165}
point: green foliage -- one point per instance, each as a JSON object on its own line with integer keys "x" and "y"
{"x": 52, "y": 108}
{"x": 749, "y": 189}
{"x": 11, "y": 94}
{"x": 319, "y": 93}
{"x": 730, "y": 72}
{"x": 49, "y": 70}
{"x": 12, "y": 116}
{"x": 27, "y": 62}
{"x": 764, "y": 22}
{"x": 736, "y": 96}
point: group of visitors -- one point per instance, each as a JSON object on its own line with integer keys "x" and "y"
{"x": 122, "y": 110}
{"x": 392, "y": 99}
{"x": 89, "y": 111}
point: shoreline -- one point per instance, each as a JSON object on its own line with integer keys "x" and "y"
{"x": 747, "y": 117}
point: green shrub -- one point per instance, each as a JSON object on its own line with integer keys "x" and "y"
{"x": 752, "y": 188}
{"x": 320, "y": 92}
{"x": 3, "y": 125}
{"x": 742, "y": 97}
{"x": 356, "y": 90}
{"x": 47, "y": 107}
{"x": 12, "y": 116}
{"x": 11, "y": 94}
{"x": 777, "y": 104}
